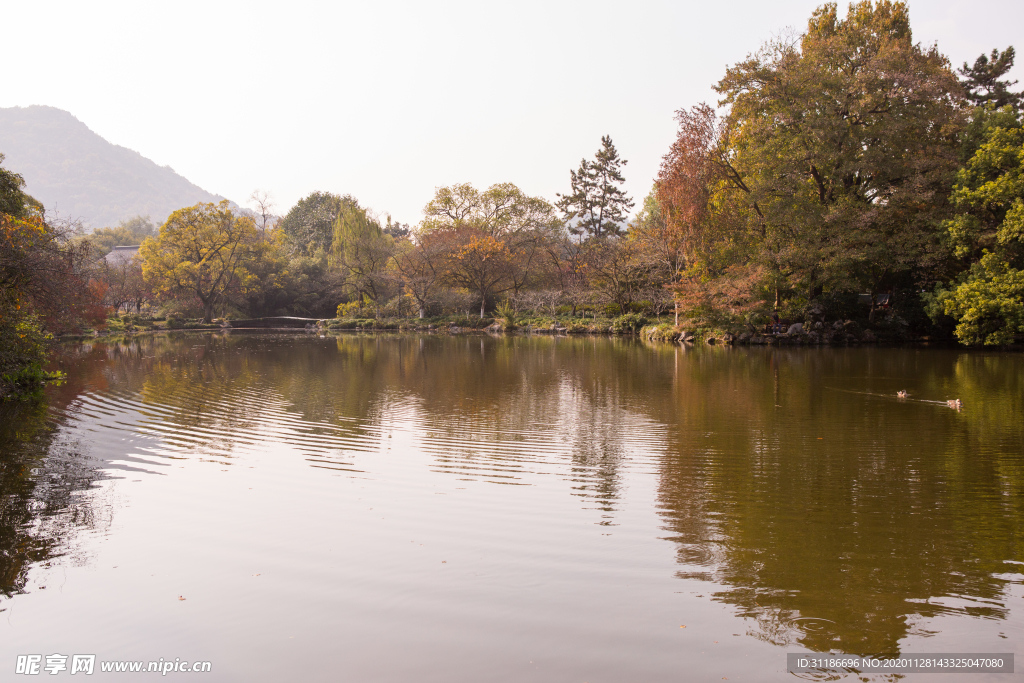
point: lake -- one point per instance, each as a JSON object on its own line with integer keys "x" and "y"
{"x": 434, "y": 508}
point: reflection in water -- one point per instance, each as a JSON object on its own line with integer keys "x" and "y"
{"x": 835, "y": 516}
{"x": 827, "y": 512}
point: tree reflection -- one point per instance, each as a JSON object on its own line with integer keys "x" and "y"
{"x": 831, "y": 514}
{"x": 828, "y": 512}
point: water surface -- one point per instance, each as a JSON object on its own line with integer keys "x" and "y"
{"x": 394, "y": 508}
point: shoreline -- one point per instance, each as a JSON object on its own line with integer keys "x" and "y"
{"x": 681, "y": 337}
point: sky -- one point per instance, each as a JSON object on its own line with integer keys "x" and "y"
{"x": 387, "y": 101}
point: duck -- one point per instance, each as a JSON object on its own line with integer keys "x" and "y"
{"x": 901, "y": 394}
{"x": 956, "y": 404}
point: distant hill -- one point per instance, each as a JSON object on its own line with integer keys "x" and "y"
{"x": 78, "y": 174}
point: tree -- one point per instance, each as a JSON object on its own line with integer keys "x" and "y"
{"x": 14, "y": 201}
{"x": 421, "y": 267}
{"x": 596, "y": 205}
{"x": 43, "y": 286}
{"x": 492, "y": 238}
{"x": 309, "y": 225}
{"x": 263, "y": 211}
{"x": 984, "y": 81}
{"x": 128, "y": 232}
{"x": 987, "y": 300}
{"x": 688, "y": 223}
{"x": 362, "y": 252}
{"x": 617, "y": 270}
{"x": 201, "y": 251}
{"x": 124, "y": 283}
{"x": 843, "y": 148}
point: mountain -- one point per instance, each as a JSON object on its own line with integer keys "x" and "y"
{"x": 77, "y": 174}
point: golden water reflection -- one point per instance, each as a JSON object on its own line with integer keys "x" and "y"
{"x": 828, "y": 512}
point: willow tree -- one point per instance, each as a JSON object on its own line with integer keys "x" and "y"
{"x": 844, "y": 145}
{"x": 363, "y": 254}
{"x": 201, "y": 251}
{"x": 309, "y": 225}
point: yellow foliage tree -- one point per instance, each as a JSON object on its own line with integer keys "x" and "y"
{"x": 201, "y": 251}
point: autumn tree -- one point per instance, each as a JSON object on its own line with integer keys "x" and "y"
{"x": 596, "y": 205}
{"x": 201, "y": 251}
{"x": 421, "y": 266}
{"x": 43, "y": 286}
{"x": 124, "y": 282}
{"x": 843, "y": 146}
{"x": 493, "y": 238}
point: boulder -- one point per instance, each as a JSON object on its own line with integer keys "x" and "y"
{"x": 795, "y": 328}
{"x": 745, "y": 338}
{"x": 868, "y": 336}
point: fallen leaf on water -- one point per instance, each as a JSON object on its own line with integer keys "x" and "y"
{"x": 682, "y": 626}
{"x": 181, "y": 597}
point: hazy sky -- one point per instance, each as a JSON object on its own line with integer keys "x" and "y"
{"x": 388, "y": 100}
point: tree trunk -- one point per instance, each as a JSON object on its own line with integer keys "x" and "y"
{"x": 677, "y": 312}
{"x": 483, "y": 302}
{"x": 422, "y": 312}
{"x": 208, "y": 312}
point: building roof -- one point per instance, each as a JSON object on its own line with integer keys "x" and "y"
{"x": 121, "y": 255}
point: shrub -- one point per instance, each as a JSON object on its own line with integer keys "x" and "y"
{"x": 22, "y": 354}
{"x": 354, "y": 310}
{"x": 630, "y": 323}
{"x": 576, "y": 328}
{"x": 662, "y": 332}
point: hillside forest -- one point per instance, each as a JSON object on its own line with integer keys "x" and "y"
{"x": 845, "y": 174}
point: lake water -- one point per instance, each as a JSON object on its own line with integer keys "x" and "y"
{"x": 399, "y": 508}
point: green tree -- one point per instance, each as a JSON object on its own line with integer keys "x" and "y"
{"x": 201, "y": 251}
{"x": 597, "y": 206}
{"x": 309, "y": 225}
{"x": 128, "y": 232}
{"x": 14, "y": 201}
{"x": 363, "y": 254}
{"x": 984, "y": 80}
{"x": 842, "y": 149}
{"x": 987, "y": 300}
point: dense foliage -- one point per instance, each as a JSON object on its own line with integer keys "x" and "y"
{"x": 43, "y": 287}
{"x": 847, "y": 174}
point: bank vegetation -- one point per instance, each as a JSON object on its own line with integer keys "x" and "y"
{"x": 849, "y": 181}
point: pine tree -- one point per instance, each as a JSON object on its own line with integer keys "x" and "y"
{"x": 597, "y": 206}
{"x": 983, "y": 83}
